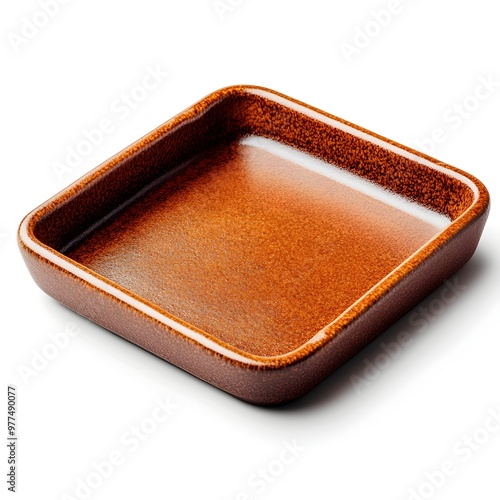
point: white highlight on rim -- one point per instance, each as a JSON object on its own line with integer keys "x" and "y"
{"x": 363, "y": 135}
{"x": 52, "y": 256}
{"x": 348, "y": 179}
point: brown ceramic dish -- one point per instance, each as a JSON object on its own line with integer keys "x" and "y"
{"x": 255, "y": 241}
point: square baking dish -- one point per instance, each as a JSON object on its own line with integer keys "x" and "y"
{"x": 255, "y": 241}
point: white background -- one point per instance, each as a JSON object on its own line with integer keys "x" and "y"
{"x": 377, "y": 440}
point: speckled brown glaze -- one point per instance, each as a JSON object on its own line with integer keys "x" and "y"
{"x": 247, "y": 270}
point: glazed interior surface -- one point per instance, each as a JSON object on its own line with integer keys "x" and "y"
{"x": 253, "y": 247}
